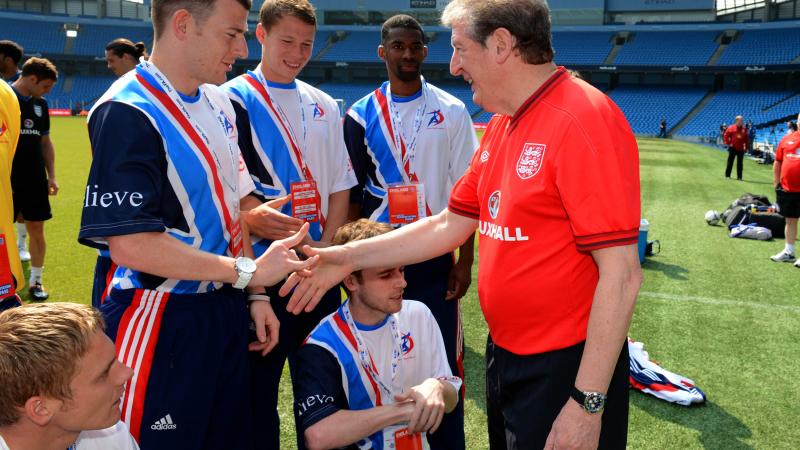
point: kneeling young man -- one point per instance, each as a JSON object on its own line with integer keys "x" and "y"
{"x": 373, "y": 374}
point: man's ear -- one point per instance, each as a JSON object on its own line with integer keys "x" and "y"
{"x": 503, "y": 44}
{"x": 180, "y": 23}
{"x": 261, "y": 33}
{"x": 350, "y": 283}
{"x": 382, "y": 52}
{"x": 40, "y": 410}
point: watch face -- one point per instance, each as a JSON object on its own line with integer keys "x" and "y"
{"x": 594, "y": 402}
{"x": 246, "y": 265}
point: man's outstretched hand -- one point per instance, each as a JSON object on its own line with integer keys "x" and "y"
{"x": 267, "y": 221}
{"x": 309, "y": 286}
{"x": 280, "y": 260}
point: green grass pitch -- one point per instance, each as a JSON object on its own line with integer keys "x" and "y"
{"x": 711, "y": 308}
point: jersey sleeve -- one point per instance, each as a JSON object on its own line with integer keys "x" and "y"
{"x": 357, "y": 149}
{"x": 246, "y": 185}
{"x": 45, "y": 118}
{"x": 464, "y": 196}
{"x": 463, "y": 147}
{"x": 318, "y": 390}
{"x": 597, "y": 176}
{"x": 127, "y": 176}
{"x": 344, "y": 177}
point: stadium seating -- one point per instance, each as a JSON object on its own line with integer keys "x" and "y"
{"x": 645, "y": 106}
{"x": 48, "y": 37}
{"x": 763, "y": 47}
{"x": 439, "y": 49}
{"x": 726, "y": 105}
{"x": 358, "y": 46}
{"x": 92, "y": 39}
{"x": 581, "y": 48}
{"x": 668, "y": 48}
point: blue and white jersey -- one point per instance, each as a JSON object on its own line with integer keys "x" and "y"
{"x": 443, "y": 141}
{"x": 152, "y": 172}
{"x": 331, "y": 376}
{"x": 266, "y": 133}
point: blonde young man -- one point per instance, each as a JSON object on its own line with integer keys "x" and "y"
{"x": 60, "y": 378}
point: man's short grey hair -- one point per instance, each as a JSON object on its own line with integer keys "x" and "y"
{"x": 527, "y": 20}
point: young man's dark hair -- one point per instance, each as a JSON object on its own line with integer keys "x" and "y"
{"x": 273, "y": 11}
{"x": 161, "y": 10}
{"x": 41, "y": 68}
{"x": 122, "y": 46}
{"x": 11, "y": 49}
{"x": 401, "y": 21}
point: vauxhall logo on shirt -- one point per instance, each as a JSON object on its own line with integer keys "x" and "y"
{"x": 495, "y": 231}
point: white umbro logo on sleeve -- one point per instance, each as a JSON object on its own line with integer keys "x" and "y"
{"x": 165, "y": 423}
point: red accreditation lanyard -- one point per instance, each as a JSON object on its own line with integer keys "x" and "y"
{"x": 260, "y": 86}
{"x": 394, "y": 126}
{"x": 169, "y": 98}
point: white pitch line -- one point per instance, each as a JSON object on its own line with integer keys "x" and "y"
{"x": 717, "y": 301}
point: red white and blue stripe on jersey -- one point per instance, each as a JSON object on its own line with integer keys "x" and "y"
{"x": 191, "y": 203}
{"x": 372, "y": 113}
{"x": 272, "y": 163}
{"x": 361, "y": 389}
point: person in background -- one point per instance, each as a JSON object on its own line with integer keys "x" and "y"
{"x": 122, "y": 55}
{"x": 736, "y": 139}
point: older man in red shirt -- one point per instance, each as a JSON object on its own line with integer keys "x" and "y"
{"x": 736, "y": 139}
{"x": 786, "y": 173}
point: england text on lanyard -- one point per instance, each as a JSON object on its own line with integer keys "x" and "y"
{"x": 168, "y": 96}
{"x": 407, "y": 147}
{"x": 262, "y": 86}
{"x": 363, "y": 352}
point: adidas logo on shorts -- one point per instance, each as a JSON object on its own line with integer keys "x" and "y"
{"x": 165, "y": 423}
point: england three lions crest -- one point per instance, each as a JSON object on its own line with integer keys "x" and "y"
{"x": 530, "y": 160}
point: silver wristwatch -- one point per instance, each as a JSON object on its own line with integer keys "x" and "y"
{"x": 591, "y": 402}
{"x": 245, "y": 268}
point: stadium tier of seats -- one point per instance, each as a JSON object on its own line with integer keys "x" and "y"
{"x": 49, "y": 37}
{"x": 763, "y": 47}
{"x": 656, "y": 48}
{"x": 582, "y": 48}
{"x": 92, "y": 39}
{"x": 753, "y": 106}
{"x": 645, "y": 106}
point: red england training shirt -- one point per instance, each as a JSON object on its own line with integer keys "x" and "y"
{"x": 548, "y": 186}
{"x": 788, "y": 153}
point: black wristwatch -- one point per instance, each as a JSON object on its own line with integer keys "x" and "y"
{"x": 591, "y": 402}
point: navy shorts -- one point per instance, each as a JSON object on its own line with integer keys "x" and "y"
{"x": 190, "y": 387}
{"x": 32, "y": 201}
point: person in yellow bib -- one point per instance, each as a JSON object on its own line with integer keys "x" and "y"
{"x": 9, "y": 135}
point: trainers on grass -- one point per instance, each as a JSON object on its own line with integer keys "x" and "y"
{"x": 783, "y": 256}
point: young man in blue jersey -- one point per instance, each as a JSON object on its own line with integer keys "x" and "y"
{"x": 411, "y": 136}
{"x": 164, "y": 194}
{"x": 374, "y": 374}
{"x": 290, "y": 134}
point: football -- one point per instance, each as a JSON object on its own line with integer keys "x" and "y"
{"x": 712, "y": 217}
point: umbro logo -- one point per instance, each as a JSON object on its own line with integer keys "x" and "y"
{"x": 165, "y": 423}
